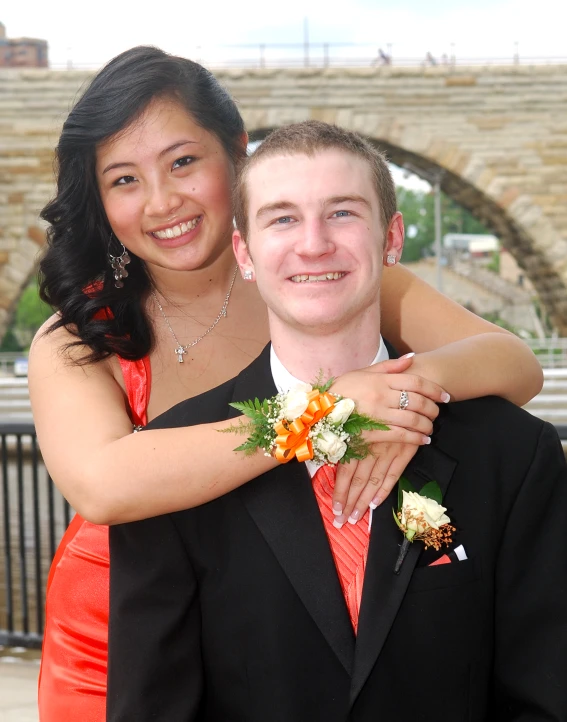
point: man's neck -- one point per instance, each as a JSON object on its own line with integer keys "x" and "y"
{"x": 307, "y": 356}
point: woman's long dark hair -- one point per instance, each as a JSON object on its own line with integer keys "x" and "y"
{"x": 75, "y": 277}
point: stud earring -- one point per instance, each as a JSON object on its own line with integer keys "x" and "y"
{"x": 248, "y": 275}
{"x": 391, "y": 259}
{"x": 118, "y": 263}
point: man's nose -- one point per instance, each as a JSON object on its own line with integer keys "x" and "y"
{"x": 314, "y": 239}
{"x": 162, "y": 200}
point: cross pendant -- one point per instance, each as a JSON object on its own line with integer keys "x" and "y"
{"x": 180, "y": 351}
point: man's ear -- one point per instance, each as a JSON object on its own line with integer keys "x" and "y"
{"x": 394, "y": 240}
{"x": 242, "y": 255}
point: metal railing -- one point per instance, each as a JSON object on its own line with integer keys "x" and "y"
{"x": 33, "y": 518}
{"x": 309, "y": 54}
{"x": 551, "y": 352}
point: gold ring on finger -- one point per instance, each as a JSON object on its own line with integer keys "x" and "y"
{"x": 404, "y": 400}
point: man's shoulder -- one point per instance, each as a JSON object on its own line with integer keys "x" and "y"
{"x": 493, "y": 423}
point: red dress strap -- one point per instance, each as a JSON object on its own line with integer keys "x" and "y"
{"x": 138, "y": 379}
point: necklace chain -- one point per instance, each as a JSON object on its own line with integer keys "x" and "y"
{"x": 181, "y": 349}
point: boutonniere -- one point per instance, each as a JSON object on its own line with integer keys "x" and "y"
{"x": 421, "y": 517}
{"x": 307, "y": 422}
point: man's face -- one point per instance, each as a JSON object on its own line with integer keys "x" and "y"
{"x": 316, "y": 242}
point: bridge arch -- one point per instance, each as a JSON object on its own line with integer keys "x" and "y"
{"x": 498, "y": 133}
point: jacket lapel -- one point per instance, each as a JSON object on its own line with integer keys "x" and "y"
{"x": 383, "y": 590}
{"x": 285, "y": 510}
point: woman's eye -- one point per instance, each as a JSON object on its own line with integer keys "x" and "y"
{"x": 124, "y": 180}
{"x": 180, "y": 162}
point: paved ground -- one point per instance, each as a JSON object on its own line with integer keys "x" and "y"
{"x": 18, "y": 685}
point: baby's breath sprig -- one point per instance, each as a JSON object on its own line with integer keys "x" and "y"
{"x": 307, "y": 422}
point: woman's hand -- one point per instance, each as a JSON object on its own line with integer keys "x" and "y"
{"x": 367, "y": 483}
{"x": 377, "y": 392}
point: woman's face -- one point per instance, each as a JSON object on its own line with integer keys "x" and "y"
{"x": 165, "y": 185}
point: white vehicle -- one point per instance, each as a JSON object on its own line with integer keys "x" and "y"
{"x": 21, "y": 366}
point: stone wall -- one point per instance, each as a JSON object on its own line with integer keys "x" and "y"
{"x": 498, "y": 133}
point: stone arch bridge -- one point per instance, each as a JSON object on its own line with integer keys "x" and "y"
{"x": 498, "y": 133}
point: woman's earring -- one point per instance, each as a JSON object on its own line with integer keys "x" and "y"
{"x": 118, "y": 263}
{"x": 248, "y": 275}
{"x": 391, "y": 259}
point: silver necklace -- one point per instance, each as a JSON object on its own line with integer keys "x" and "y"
{"x": 180, "y": 349}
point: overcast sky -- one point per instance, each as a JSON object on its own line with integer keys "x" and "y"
{"x": 90, "y": 33}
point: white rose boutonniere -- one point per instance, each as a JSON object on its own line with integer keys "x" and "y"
{"x": 421, "y": 517}
{"x": 420, "y": 512}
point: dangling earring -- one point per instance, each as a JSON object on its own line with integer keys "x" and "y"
{"x": 391, "y": 259}
{"x": 118, "y": 263}
{"x": 248, "y": 275}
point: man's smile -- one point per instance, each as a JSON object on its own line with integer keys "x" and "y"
{"x": 305, "y": 278}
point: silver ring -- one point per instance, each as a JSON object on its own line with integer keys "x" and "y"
{"x": 404, "y": 400}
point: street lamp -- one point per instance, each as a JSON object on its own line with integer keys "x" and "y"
{"x": 434, "y": 178}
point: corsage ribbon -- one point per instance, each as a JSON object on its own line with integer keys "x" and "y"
{"x": 292, "y": 438}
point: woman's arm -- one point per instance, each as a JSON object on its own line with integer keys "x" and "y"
{"x": 107, "y": 473}
{"x": 462, "y": 352}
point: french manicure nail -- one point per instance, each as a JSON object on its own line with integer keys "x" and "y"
{"x": 375, "y": 503}
{"x": 338, "y": 522}
{"x": 337, "y": 508}
{"x": 426, "y": 439}
{"x": 445, "y": 397}
{"x": 408, "y": 355}
{"x": 354, "y": 517}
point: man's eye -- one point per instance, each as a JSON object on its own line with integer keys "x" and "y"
{"x": 186, "y": 160}
{"x": 283, "y": 219}
{"x": 124, "y": 180}
{"x": 342, "y": 214}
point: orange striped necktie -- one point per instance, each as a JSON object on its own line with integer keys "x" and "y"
{"x": 349, "y": 545}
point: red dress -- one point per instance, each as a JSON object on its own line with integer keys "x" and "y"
{"x": 72, "y": 680}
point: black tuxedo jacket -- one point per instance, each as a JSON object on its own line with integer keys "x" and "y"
{"x": 233, "y": 612}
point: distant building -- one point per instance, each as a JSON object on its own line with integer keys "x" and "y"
{"x": 22, "y": 52}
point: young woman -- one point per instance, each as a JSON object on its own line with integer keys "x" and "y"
{"x": 150, "y": 311}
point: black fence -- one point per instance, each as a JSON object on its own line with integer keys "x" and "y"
{"x": 33, "y": 517}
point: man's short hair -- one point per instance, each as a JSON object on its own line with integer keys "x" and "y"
{"x": 309, "y": 138}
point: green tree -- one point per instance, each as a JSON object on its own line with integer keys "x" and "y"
{"x": 30, "y": 313}
{"x": 418, "y": 211}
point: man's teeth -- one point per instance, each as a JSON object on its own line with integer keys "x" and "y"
{"x": 323, "y": 277}
{"x": 176, "y": 231}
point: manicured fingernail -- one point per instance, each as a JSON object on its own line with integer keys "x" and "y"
{"x": 354, "y": 517}
{"x": 375, "y": 503}
{"x": 426, "y": 439}
{"x": 408, "y": 355}
{"x": 337, "y": 508}
{"x": 445, "y": 397}
{"x": 338, "y": 522}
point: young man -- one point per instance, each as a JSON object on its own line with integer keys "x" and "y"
{"x": 255, "y": 607}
